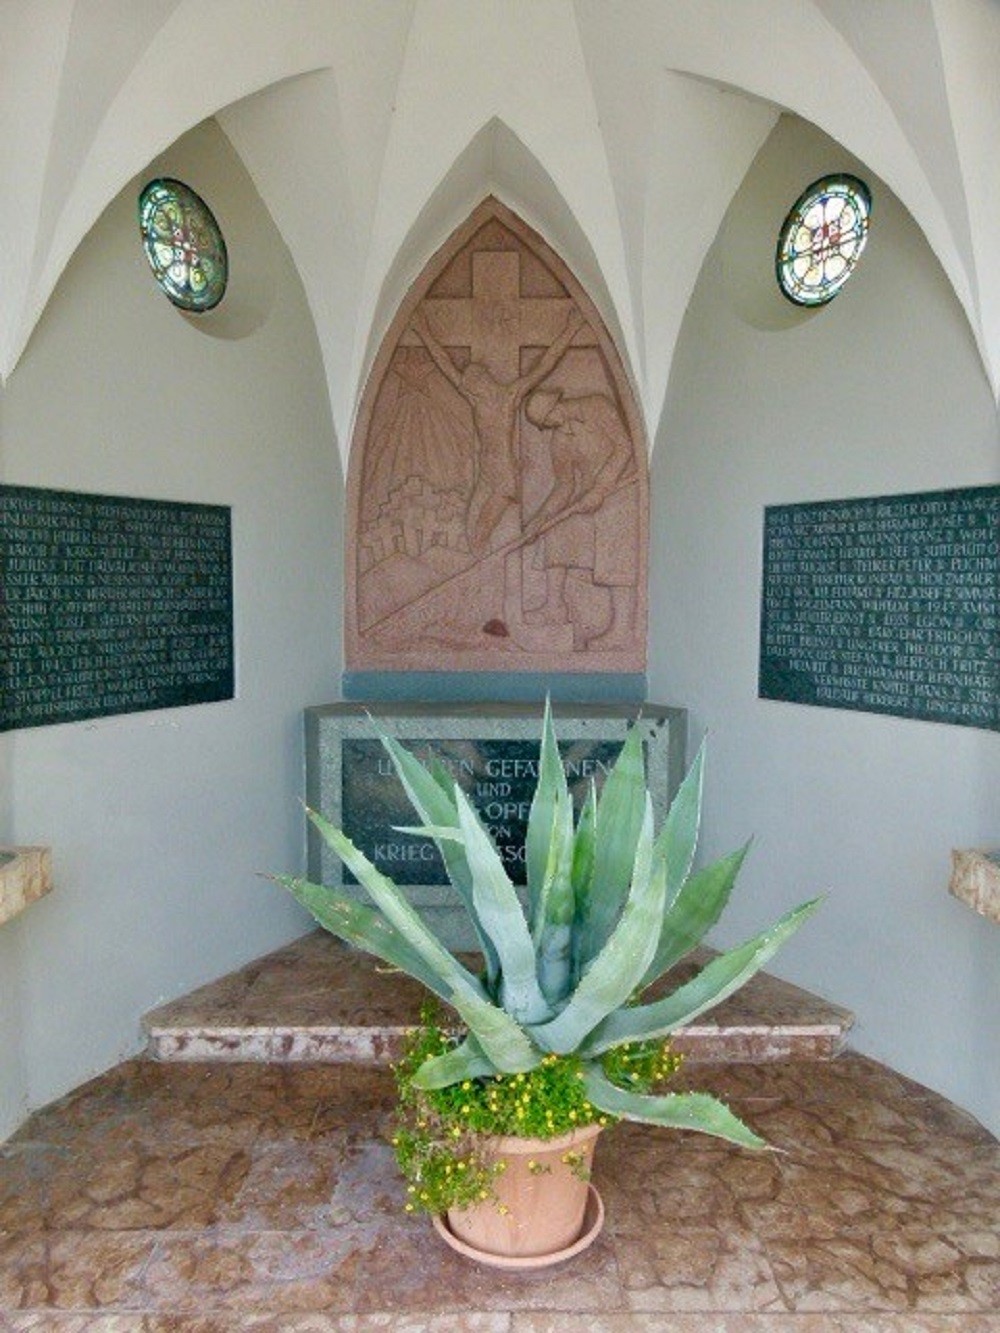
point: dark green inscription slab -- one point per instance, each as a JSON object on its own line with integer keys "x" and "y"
{"x": 885, "y": 605}
{"x": 492, "y": 749}
{"x": 111, "y": 605}
{"x": 498, "y": 776}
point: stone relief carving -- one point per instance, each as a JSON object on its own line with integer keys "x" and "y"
{"x": 497, "y": 488}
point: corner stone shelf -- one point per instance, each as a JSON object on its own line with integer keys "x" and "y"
{"x": 25, "y": 875}
{"x": 317, "y": 1000}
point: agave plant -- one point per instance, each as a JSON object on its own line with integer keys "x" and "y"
{"x": 611, "y": 907}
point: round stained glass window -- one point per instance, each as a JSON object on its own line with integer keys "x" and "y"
{"x": 183, "y": 244}
{"x": 822, "y": 238}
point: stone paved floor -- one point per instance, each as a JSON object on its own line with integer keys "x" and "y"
{"x": 179, "y": 1198}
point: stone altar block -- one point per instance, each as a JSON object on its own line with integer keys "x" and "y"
{"x": 492, "y": 749}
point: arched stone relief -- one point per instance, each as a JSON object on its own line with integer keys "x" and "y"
{"x": 498, "y": 484}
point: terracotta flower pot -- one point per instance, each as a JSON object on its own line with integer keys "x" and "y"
{"x": 545, "y": 1207}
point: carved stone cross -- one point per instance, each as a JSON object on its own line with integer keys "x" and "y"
{"x": 496, "y": 321}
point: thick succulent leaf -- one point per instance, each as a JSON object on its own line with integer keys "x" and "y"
{"x": 389, "y": 898}
{"x": 614, "y": 974}
{"x": 499, "y": 910}
{"x": 555, "y": 894}
{"x": 676, "y": 1110}
{"x": 679, "y": 835}
{"x": 619, "y": 819}
{"x": 583, "y": 848}
{"x": 553, "y": 933}
{"x": 719, "y": 979}
{"x": 442, "y": 776}
{"x": 499, "y": 1037}
{"x": 466, "y": 1061}
{"x": 550, "y": 790}
{"x": 694, "y": 910}
{"x": 431, "y": 792}
{"x": 365, "y": 928}
{"x": 555, "y": 964}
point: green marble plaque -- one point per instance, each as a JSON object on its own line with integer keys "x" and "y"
{"x": 885, "y": 605}
{"x": 492, "y": 749}
{"x": 111, "y": 605}
{"x": 499, "y": 776}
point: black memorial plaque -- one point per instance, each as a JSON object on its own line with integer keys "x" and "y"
{"x": 885, "y": 605}
{"x": 111, "y": 605}
{"x": 499, "y": 776}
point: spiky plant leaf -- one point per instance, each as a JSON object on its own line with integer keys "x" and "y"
{"x": 676, "y": 1110}
{"x": 615, "y": 972}
{"x": 468, "y": 1060}
{"x": 556, "y": 910}
{"x": 555, "y": 900}
{"x": 366, "y": 929}
{"x": 499, "y": 910}
{"x": 619, "y": 819}
{"x": 679, "y": 835}
{"x": 583, "y": 849}
{"x": 550, "y": 790}
{"x": 693, "y": 911}
{"x": 431, "y": 791}
{"x": 719, "y": 979}
{"x": 498, "y": 1033}
{"x": 499, "y": 1037}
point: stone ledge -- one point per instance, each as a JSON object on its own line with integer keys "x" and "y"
{"x": 975, "y": 880}
{"x": 317, "y": 1000}
{"x": 25, "y": 876}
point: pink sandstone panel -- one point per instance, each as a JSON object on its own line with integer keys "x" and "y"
{"x": 498, "y": 485}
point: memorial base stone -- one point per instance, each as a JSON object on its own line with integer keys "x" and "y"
{"x": 492, "y": 750}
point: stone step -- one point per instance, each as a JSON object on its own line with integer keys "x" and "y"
{"x": 318, "y": 1000}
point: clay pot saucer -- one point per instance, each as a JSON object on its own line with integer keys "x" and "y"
{"x": 593, "y": 1221}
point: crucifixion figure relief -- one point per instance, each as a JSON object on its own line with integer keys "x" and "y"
{"x": 495, "y": 404}
{"x": 497, "y": 484}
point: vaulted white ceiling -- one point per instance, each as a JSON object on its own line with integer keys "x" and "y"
{"x": 619, "y": 128}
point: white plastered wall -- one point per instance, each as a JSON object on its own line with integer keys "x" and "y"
{"x": 162, "y": 823}
{"x": 881, "y": 392}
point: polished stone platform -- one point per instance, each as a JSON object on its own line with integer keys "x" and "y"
{"x": 317, "y": 1000}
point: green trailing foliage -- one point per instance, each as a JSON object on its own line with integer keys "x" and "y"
{"x": 440, "y": 1131}
{"x": 611, "y": 908}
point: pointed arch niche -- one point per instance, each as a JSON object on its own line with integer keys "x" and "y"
{"x": 498, "y": 483}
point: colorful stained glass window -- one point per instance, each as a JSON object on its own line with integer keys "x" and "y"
{"x": 183, "y": 244}
{"x": 822, "y": 238}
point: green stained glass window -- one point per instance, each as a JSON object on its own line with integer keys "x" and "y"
{"x": 183, "y": 244}
{"x": 822, "y": 238}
